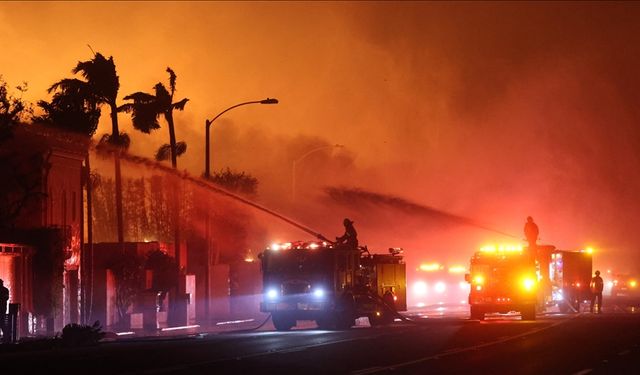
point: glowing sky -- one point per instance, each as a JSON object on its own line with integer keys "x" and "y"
{"x": 494, "y": 111}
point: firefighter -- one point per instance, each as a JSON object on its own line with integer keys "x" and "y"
{"x": 597, "y": 284}
{"x": 389, "y": 298}
{"x": 531, "y": 232}
{"x": 350, "y": 236}
{"x": 4, "y": 298}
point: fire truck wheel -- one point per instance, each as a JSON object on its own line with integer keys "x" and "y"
{"x": 476, "y": 313}
{"x": 345, "y": 313}
{"x": 528, "y": 312}
{"x": 282, "y": 322}
{"x": 325, "y": 322}
{"x": 384, "y": 318}
{"x": 345, "y": 320}
{"x": 563, "y": 307}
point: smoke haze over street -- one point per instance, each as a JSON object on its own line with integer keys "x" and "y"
{"x": 485, "y": 111}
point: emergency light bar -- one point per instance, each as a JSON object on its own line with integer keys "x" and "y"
{"x": 430, "y": 267}
{"x": 297, "y": 245}
{"x": 457, "y": 269}
{"x": 501, "y": 248}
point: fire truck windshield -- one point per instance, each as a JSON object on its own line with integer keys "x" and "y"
{"x": 498, "y": 268}
{"x": 297, "y": 261}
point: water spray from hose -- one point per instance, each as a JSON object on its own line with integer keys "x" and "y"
{"x": 210, "y": 187}
{"x": 354, "y": 197}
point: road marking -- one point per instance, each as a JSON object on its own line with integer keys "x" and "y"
{"x": 583, "y": 372}
{"x": 187, "y": 366}
{"x": 624, "y": 352}
{"x": 372, "y": 370}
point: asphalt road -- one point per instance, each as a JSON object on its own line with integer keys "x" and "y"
{"x": 553, "y": 344}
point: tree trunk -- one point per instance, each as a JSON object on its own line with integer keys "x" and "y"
{"x": 172, "y": 139}
{"x": 88, "y": 270}
{"x": 115, "y": 138}
{"x": 118, "y": 183}
{"x": 176, "y": 189}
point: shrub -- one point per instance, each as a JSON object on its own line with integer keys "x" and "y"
{"x": 74, "y": 335}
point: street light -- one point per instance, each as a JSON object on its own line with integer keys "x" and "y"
{"x": 295, "y": 162}
{"x": 209, "y": 122}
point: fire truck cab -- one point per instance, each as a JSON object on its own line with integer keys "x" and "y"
{"x": 503, "y": 279}
{"x": 515, "y": 278}
{"x": 331, "y": 284}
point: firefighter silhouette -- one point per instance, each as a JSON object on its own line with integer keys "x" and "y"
{"x": 531, "y": 232}
{"x": 389, "y": 298}
{"x": 596, "y": 286}
{"x": 4, "y": 299}
{"x": 350, "y": 236}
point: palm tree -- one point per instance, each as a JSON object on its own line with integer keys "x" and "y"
{"x": 145, "y": 112}
{"x": 102, "y": 84}
{"x": 147, "y": 108}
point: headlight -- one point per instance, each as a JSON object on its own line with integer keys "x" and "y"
{"x": 440, "y": 287}
{"x": 318, "y": 293}
{"x": 528, "y": 283}
{"x": 420, "y": 288}
{"x": 272, "y": 294}
{"x": 478, "y": 279}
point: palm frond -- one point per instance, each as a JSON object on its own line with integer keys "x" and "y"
{"x": 104, "y": 139}
{"x": 124, "y": 141}
{"x": 101, "y": 75}
{"x": 163, "y": 153}
{"x": 163, "y": 97}
{"x": 181, "y": 148}
{"x": 180, "y": 105}
{"x": 71, "y": 85}
{"x": 126, "y": 108}
{"x": 145, "y": 118}
{"x": 172, "y": 80}
{"x": 108, "y": 143}
{"x": 140, "y": 97}
{"x": 83, "y": 67}
{"x": 103, "y": 147}
{"x": 144, "y": 111}
{"x": 71, "y": 111}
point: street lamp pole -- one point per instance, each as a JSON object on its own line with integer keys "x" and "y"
{"x": 207, "y": 171}
{"x": 207, "y": 175}
{"x": 295, "y": 162}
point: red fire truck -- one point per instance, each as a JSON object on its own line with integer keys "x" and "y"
{"x": 509, "y": 278}
{"x": 331, "y": 284}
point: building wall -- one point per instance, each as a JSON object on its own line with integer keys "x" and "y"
{"x": 63, "y": 205}
{"x": 63, "y": 208}
{"x": 60, "y": 205}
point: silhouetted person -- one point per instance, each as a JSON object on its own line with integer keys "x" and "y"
{"x": 531, "y": 232}
{"x": 597, "y": 284}
{"x": 389, "y": 298}
{"x": 350, "y": 236}
{"x": 4, "y": 299}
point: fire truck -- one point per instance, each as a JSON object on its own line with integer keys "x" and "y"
{"x": 514, "y": 278}
{"x": 331, "y": 284}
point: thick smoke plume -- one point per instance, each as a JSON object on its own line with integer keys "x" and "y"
{"x": 492, "y": 111}
{"x": 362, "y": 200}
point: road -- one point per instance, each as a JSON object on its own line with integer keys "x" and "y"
{"x": 555, "y": 343}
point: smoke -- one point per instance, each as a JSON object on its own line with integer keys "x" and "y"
{"x": 358, "y": 199}
{"x": 490, "y": 111}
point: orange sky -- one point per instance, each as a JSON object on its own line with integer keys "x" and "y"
{"x": 493, "y": 111}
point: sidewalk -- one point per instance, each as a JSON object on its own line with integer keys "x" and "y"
{"x": 258, "y": 323}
